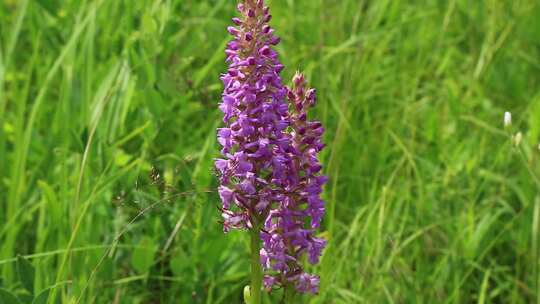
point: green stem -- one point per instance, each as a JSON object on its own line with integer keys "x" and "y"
{"x": 256, "y": 271}
{"x": 288, "y": 297}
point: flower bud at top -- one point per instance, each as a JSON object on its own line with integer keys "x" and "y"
{"x": 298, "y": 79}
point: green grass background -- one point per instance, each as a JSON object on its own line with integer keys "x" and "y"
{"x": 108, "y": 111}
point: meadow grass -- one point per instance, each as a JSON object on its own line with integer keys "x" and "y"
{"x": 108, "y": 111}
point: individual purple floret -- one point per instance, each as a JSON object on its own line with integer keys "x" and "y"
{"x": 269, "y": 174}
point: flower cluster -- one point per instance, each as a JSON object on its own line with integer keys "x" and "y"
{"x": 269, "y": 174}
{"x": 255, "y": 115}
{"x": 286, "y": 235}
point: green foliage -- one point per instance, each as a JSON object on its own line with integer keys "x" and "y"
{"x": 143, "y": 255}
{"x": 108, "y": 112}
{"x": 8, "y": 298}
{"x": 26, "y": 272}
{"x": 42, "y": 297}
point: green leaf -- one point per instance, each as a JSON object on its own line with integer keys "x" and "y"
{"x": 49, "y": 6}
{"x": 143, "y": 256}
{"x": 25, "y": 297}
{"x": 26, "y": 272}
{"x": 179, "y": 263}
{"x": 247, "y": 294}
{"x": 6, "y": 297}
{"x": 121, "y": 158}
{"x": 149, "y": 24}
{"x": 42, "y": 297}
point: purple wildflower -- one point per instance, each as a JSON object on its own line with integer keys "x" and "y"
{"x": 286, "y": 236}
{"x": 270, "y": 175}
{"x": 255, "y": 117}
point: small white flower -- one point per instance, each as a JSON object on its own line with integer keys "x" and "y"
{"x": 507, "y": 119}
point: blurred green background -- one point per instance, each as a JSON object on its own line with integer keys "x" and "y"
{"x": 108, "y": 112}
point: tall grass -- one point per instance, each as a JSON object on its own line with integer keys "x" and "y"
{"x": 108, "y": 112}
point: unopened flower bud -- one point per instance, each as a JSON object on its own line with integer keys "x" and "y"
{"x": 232, "y": 30}
{"x": 265, "y": 51}
{"x": 290, "y": 95}
{"x": 236, "y": 21}
{"x": 274, "y": 40}
{"x": 507, "y": 119}
{"x": 298, "y": 79}
{"x": 311, "y": 97}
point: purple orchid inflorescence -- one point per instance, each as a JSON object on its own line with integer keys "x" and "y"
{"x": 289, "y": 228}
{"x": 270, "y": 176}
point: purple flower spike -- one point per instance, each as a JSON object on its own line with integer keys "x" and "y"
{"x": 286, "y": 237}
{"x": 269, "y": 172}
{"x": 252, "y": 105}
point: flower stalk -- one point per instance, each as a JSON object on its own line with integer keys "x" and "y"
{"x": 256, "y": 269}
{"x": 289, "y": 294}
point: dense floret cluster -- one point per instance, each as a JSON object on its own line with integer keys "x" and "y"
{"x": 269, "y": 174}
